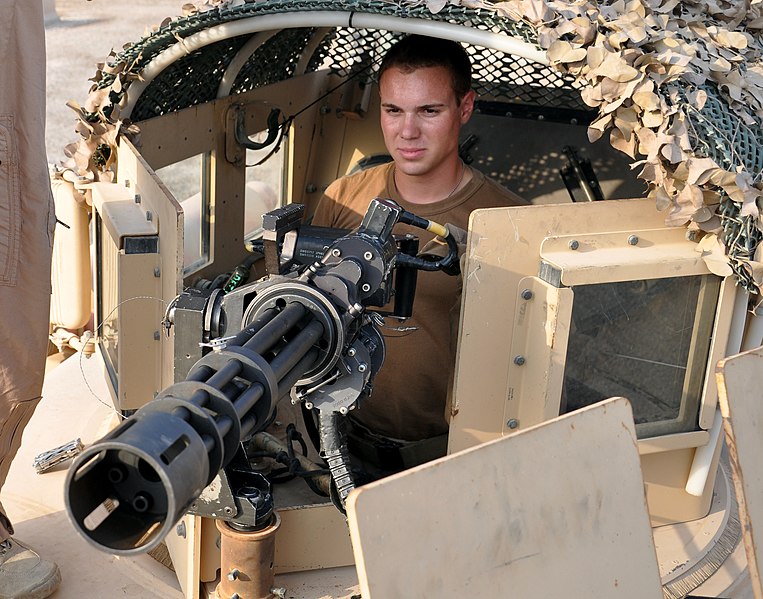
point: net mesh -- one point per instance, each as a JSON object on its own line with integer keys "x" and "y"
{"x": 718, "y": 133}
{"x": 196, "y": 77}
{"x": 715, "y": 131}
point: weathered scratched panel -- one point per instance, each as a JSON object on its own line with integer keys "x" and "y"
{"x": 557, "y": 510}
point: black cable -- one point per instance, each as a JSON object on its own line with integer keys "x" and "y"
{"x": 288, "y": 120}
{"x": 292, "y": 434}
{"x": 292, "y": 467}
{"x": 449, "y": 265}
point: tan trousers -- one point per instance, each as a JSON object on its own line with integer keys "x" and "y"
{"x": 27, "y": 222}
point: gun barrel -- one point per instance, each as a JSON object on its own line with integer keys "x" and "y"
{"x": 125, "y": 492}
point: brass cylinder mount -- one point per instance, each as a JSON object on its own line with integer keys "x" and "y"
{"x": 246, "y": 561}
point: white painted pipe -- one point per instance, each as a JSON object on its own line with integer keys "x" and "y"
{"x": 703, "y": 458}
{"x": 239, "y": 60}
{"x": 451, "y": 31}
{"x": 303, "y": 18}
{"x": 754, "y": 335}
{"x": 738, "y": 318}
{"x": 310, "y": 48}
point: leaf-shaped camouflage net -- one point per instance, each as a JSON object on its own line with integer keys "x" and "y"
{"x": 678, "y": 86}
{"x": 719, "y": 134}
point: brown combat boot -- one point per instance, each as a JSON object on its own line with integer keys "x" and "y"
{"x": 23, "y": 574}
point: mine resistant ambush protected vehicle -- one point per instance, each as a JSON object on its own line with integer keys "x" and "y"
{"x": 552, "y": 486}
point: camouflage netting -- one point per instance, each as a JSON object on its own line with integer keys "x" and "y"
{"x": 344, "y": 51}
{"x": 678, "y": 86}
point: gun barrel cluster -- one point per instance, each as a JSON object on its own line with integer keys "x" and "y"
{"x": 125, "y": 492}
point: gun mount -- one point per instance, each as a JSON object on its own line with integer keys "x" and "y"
{"x": 307, "y": 329}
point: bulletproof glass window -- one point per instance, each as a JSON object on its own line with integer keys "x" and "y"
{"x": 107, "y": 258}
{"x": 646, "y": 340}
{"x": 187, "y": 180}
{"x": 266, "y": 174}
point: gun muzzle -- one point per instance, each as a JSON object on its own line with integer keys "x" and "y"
{"x": 125, "y": 492}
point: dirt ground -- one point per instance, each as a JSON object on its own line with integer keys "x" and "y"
{"x": 80, "y": 34}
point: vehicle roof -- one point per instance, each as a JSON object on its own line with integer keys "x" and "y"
{"x": 678, "y": 86}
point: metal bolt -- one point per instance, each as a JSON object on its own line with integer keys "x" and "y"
{"x": 632, "y": 240}
{"x": 157, "y": 272}
{"x": 325, "y": 109}
{"x": 336, "y": 252}
{"x": 519, "y": 360}
{"x": 233, "y": 574}
{"x": 366, "y": 287}
{"x": 368, "y": 256}
{"x": 574, "y": 244}
{"x": 513, "y": 423}
{"x": 362, "y": 367}
{"x": 137, "y": 197}
{"x": 527, "y": 294}
{"x": 228, "y": 510}
{"x": 180, "y": 530}
{"x": 149, "y": 215}
{"x": 157, "y": 336}
{"x": 351, "y": 352}
{"x": 309, "y": 405}
{"x": 691, "y": 236}
{"x": 279, "y": 592}
{"x": 343, "y": 411}
{"x": 235, "y": 596}
{"x": 311, "y": 188}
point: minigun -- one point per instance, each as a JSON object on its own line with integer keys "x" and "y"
{"x": 305, "y": 327}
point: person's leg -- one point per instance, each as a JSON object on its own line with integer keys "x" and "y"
{"x": 14, "y": 417}
{"x": 27, "y": 220}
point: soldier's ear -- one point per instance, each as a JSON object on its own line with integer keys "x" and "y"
{"x": 467, "y": 105}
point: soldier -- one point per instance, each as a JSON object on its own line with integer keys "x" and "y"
{"x": 426, "y": 97}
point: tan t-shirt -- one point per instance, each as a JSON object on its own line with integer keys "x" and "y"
{"x": 408, "y": 400}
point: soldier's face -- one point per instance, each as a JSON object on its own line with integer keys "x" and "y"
{"x": 421, "y": 119}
